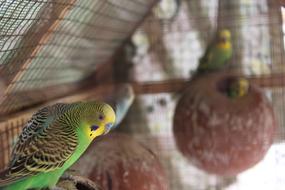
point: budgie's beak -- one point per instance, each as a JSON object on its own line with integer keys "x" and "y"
{"x": 108, "y": 127}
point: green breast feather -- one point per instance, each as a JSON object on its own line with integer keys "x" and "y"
{"x": 49, "y": 143}
{"x": 41, "y": 147}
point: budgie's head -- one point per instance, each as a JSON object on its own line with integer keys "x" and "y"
{"x": 225, "y": 34}
{"x": 224, "y": 38}
{"x": 98, "y": 118}
{"x": 238, "y": 88}
{"x": 243, "y": 86}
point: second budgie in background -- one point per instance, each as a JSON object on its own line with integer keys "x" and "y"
{"x": 217, "y": 54}
{"x": 54, "y": 138}
{"x": 122, "y": 101}
{"x": 238, "y": 88}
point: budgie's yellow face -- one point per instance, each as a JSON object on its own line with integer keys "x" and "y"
{"x": 238, "y": 88}
{"x": 99, "y": 119}
{"x": 243, "y": 87}
{"x": 224, "y": 39}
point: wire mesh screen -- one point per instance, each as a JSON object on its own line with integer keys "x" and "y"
{"x": 166, "y": 46}
{"x": 8, "y": 135}
{"x": 49, "y": 43}
{"x": 169, "y": 45}
{"x": 176, "y": 44}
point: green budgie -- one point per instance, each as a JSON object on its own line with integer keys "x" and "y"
{"x": 238, "y": 87}
{"x": 217, "y": 54}
{"x": 54, "y": 138}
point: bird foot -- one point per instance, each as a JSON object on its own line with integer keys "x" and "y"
{"x": 66, "y": 176}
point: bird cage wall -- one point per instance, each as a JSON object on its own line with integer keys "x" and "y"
{"x": 66, "y": 51}
{"x": 168, "y": 46}
{"x": 47, "y": 47}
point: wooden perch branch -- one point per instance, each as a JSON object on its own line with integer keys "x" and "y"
{"x": 175, "y": 85}
{"x": 77, "y": 183}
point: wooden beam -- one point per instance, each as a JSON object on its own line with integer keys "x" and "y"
{"x": 174, "y": 85}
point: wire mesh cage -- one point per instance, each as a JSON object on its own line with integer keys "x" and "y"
{"x": 39, "y": 39}
{"x": 51, "y": 49}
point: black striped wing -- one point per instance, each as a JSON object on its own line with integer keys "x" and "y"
{"x": 44, "y": 145}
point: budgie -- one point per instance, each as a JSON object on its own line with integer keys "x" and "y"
{"x": 238, "y": 88}
{"x": 217, "y": 54}
{"x": 122, "y": 101}
{"x": 53, "y": 139}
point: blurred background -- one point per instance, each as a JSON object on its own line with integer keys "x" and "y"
{"x": 73, "y": 50}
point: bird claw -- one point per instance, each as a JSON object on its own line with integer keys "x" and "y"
{"x": 66, "y": 176}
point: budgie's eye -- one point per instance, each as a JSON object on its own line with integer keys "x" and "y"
{"x": 101, "y": 117}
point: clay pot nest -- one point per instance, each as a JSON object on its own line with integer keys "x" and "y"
{"x": 119, "y": 162}
{"x": 222, "y": 135}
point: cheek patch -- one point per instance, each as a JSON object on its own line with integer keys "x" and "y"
{"x": 94, "y": 128}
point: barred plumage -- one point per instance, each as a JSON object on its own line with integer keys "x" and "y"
{"x": 54, "y": 138}
{"x": 217, "y": 54}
